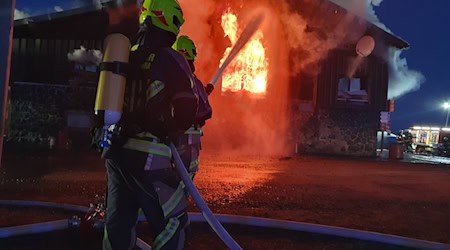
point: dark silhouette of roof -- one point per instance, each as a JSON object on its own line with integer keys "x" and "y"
{"x": 92, "y": 22}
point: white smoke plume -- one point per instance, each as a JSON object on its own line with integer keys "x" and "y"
{"x": 84, "y": 56}
{"x": 18, "y": 14}
{"x": 58, "y": 9}
{"x": 402, "y": 80}
{"x": 363, "y": 8}
{"x": 316, "y": 36}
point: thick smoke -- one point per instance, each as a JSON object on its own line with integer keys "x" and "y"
{"x": 241, "y": 124}
{"x": 402, "y": 80}
{"x": 296, "y": 38}
{"x": 313, "y": 36}
{"x": 296, "y": 41}
{"x": 199, "y": 26}
{"x": 363, "y": 8}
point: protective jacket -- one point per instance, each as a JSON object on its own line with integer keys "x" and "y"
{"x": 204, "y": 111}
{"x": 159, "y": 96}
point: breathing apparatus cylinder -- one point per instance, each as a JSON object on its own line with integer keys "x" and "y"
{"x": 111, "y": 84}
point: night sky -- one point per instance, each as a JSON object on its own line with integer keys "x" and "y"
{"x": 33, "y": 7}
{"x": 423, "y": 24}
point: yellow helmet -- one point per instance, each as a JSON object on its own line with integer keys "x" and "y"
{"x": 164, "y": 14}
{"x": 186, "y": 47}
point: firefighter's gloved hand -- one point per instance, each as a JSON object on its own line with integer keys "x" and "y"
{"x": 209, "y": 88}
{"x": 96, "y": 133}
{"x": 96, "y": 136}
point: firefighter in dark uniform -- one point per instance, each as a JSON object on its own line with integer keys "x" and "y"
{"x": 189, "y": 144}
{"x": 159, "y": 105}
{"x": 446, "y": 146}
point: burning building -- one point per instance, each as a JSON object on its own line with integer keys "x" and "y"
{"x": 309, "y": 92}
{"x": 298, "y": 85}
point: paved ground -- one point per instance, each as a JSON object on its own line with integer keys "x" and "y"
{"x": 394, "y": 197}
{"x": 417, "y": 158}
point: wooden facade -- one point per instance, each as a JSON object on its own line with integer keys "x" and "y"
{"x": 335, "y": 112}
{"x": 373, "y": 73}
{"x": 41, "y": 44}
{"x": 319, "y": 90}
{"x": 45, "y": 60}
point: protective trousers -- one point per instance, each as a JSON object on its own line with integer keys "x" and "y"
{"x": 140, "y": 176}
{"x": 188, "y": 146}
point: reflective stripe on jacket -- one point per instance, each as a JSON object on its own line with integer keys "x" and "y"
{"x": 148, "y": 147}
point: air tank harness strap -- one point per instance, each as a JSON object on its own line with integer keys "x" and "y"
{"x": 192, "y": 136}
{"x": 194, "y": 131}
{"x": 119, "y": 68}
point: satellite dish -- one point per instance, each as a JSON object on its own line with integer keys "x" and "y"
{"x": 365, "y": 46}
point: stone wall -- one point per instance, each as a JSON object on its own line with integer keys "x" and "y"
{"x": 38, "y": 112}
{"x": 336, "y": 132}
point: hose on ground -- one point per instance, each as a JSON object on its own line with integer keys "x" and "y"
{"x": 206, "y": 212}
{"x": 231, "y": 219}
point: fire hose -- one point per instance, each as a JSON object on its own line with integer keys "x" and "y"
{"x": 65, "y": 224}
{"x": 206, "y": 212}
{"x": 51, "y": 226}
{"x": 228, "y": 219}
{"x": 247, "y": 33}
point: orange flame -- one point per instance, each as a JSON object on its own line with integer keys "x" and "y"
{"x": 249, "y": 69}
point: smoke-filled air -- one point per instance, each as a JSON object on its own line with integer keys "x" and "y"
{"x": 402, "y": 80}
{"x": 252, "y": 97}
{"x": 251, "y": 100}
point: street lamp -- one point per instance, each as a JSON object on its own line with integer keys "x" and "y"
{"x": 447, "y": 107}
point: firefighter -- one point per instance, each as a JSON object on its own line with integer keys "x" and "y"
{"x": 188, "y": 145}
{"x": 446, "y": 146}
{"x": 408, "y": 137}
{"x": 159, "y": 104}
